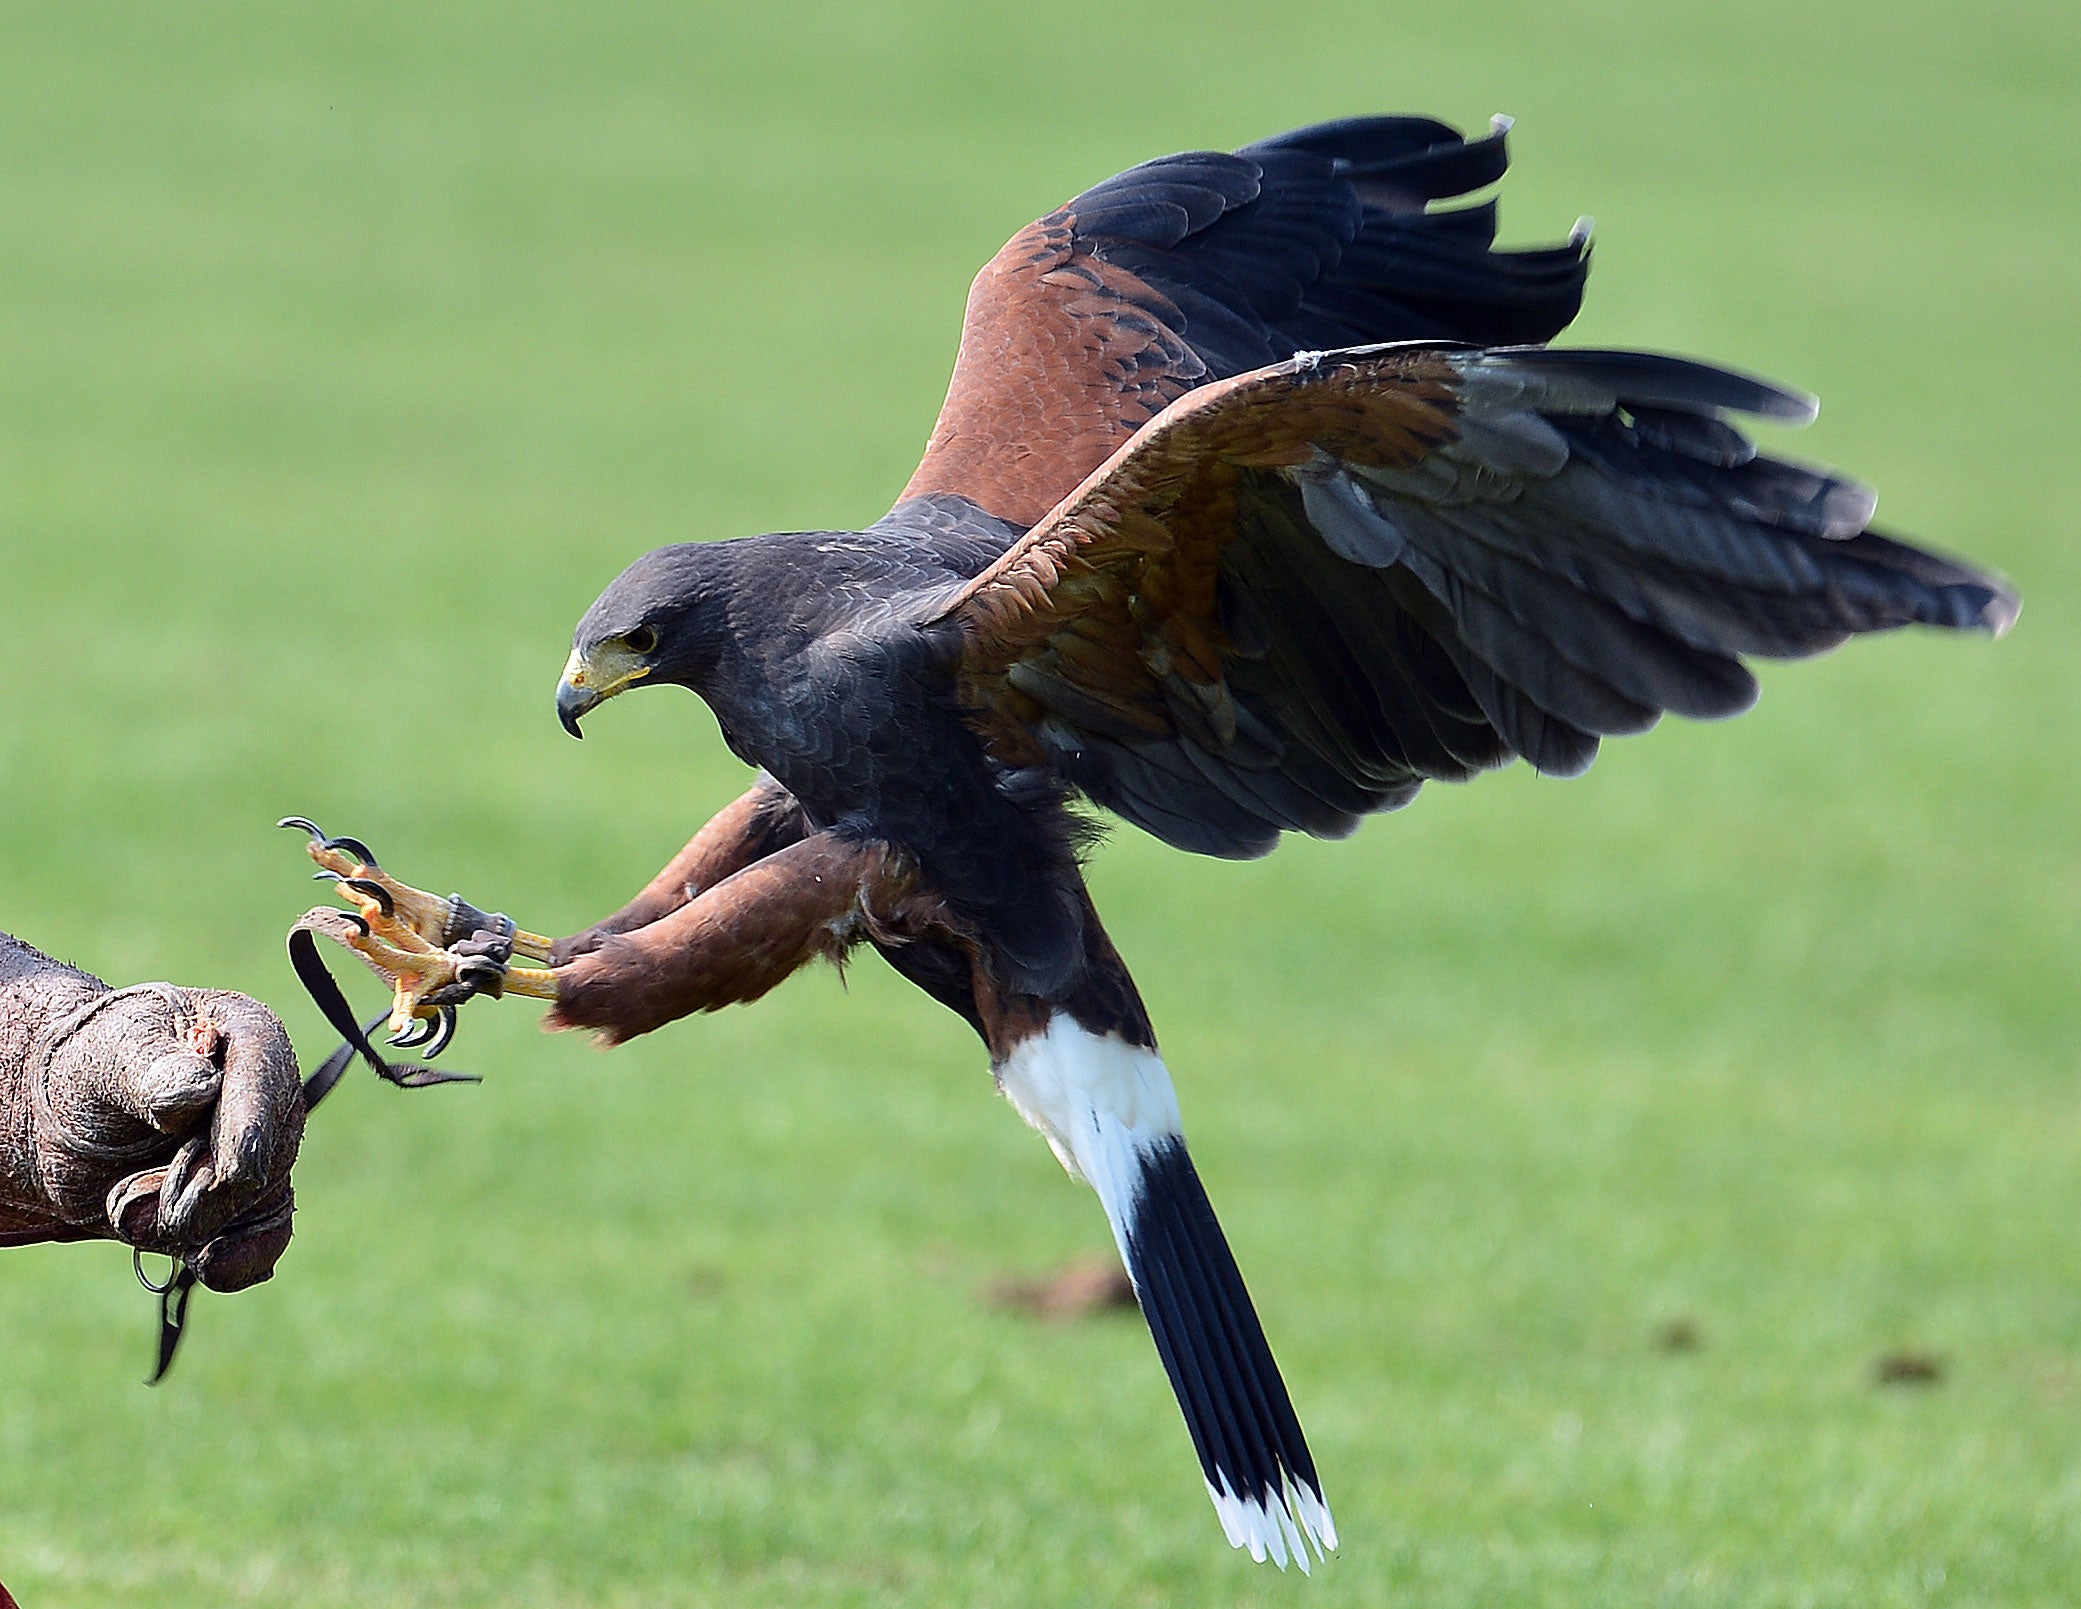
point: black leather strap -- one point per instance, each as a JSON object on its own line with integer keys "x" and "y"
{"x": 325, "y": 993}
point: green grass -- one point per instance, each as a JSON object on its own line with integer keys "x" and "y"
{"x": 345, "y": 351}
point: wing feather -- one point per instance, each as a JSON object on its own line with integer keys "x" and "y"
{"x": 1206, "y": 265}
{"x": 1297, "y": 594}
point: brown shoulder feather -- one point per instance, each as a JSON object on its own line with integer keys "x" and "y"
{"x": 1063, "y": 357}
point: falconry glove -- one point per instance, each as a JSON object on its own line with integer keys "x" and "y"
{"x": 163, "y": 1117}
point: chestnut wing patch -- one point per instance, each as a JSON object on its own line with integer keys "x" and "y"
{"x": 1063, "y": 357}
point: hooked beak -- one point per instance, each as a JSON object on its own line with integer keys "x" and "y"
{"x": 590, "y": 680}
{"x": 571, "y": 703}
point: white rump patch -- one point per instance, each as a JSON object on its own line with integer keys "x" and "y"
{"x": 1100, "y": 1102}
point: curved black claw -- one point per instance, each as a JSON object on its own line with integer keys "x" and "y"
{"x": 436, "y": 1032}
{"x": 416, "y": 1033}
{"x": 443, "y": 1034}
{"x": 353, "y": 846}
{"x": 375, "y": 891}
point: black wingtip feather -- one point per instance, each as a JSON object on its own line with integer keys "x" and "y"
{"x": 1327, "y": 237}
{"x": 1940, "y": 590}
{"x": 1596, "y": 378}
{"x": 1414, "y": 159}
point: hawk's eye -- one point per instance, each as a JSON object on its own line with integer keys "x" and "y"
{"x": 642, "y": 640}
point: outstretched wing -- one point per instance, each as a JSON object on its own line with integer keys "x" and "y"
{"x": 1296, "y": 595}
{"x": 1198, "y": 267}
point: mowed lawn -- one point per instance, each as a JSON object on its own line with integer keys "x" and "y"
{"x": 346, "y": 351}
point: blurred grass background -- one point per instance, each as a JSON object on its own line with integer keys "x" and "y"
{"x": 346, "y": 350}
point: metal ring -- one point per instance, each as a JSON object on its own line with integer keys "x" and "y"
{"x": 137, "y": 1265}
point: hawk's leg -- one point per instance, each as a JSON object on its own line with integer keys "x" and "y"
{"x": 435, "y": 950}
{"x": 734, "y": 941}
{"x": 438, "y": 950}
{"x": 764, "y": 820}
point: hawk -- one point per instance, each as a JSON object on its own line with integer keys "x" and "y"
{"x": 1257, "y": 502}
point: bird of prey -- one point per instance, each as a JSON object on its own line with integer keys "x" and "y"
{"x": 1257, "y": 501}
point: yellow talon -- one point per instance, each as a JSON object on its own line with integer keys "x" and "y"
{"x": 425, "y": 914}
{"x": 402, "y": 933}
{"x": 396, "y": 949}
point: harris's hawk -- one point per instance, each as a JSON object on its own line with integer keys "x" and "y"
{"x": 1257, "y": 501}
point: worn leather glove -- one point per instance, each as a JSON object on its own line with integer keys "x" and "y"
{"x": 167, "y": 1118}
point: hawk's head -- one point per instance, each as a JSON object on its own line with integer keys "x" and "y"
{"x": 660, "y": 620}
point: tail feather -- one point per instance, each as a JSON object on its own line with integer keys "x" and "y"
{"x": 1252, "y": 1451}
{"x": 1107, "y": 1107}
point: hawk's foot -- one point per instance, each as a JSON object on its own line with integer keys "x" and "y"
{"x": 435, "y": 953}
{"x": 438, "y": 921}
